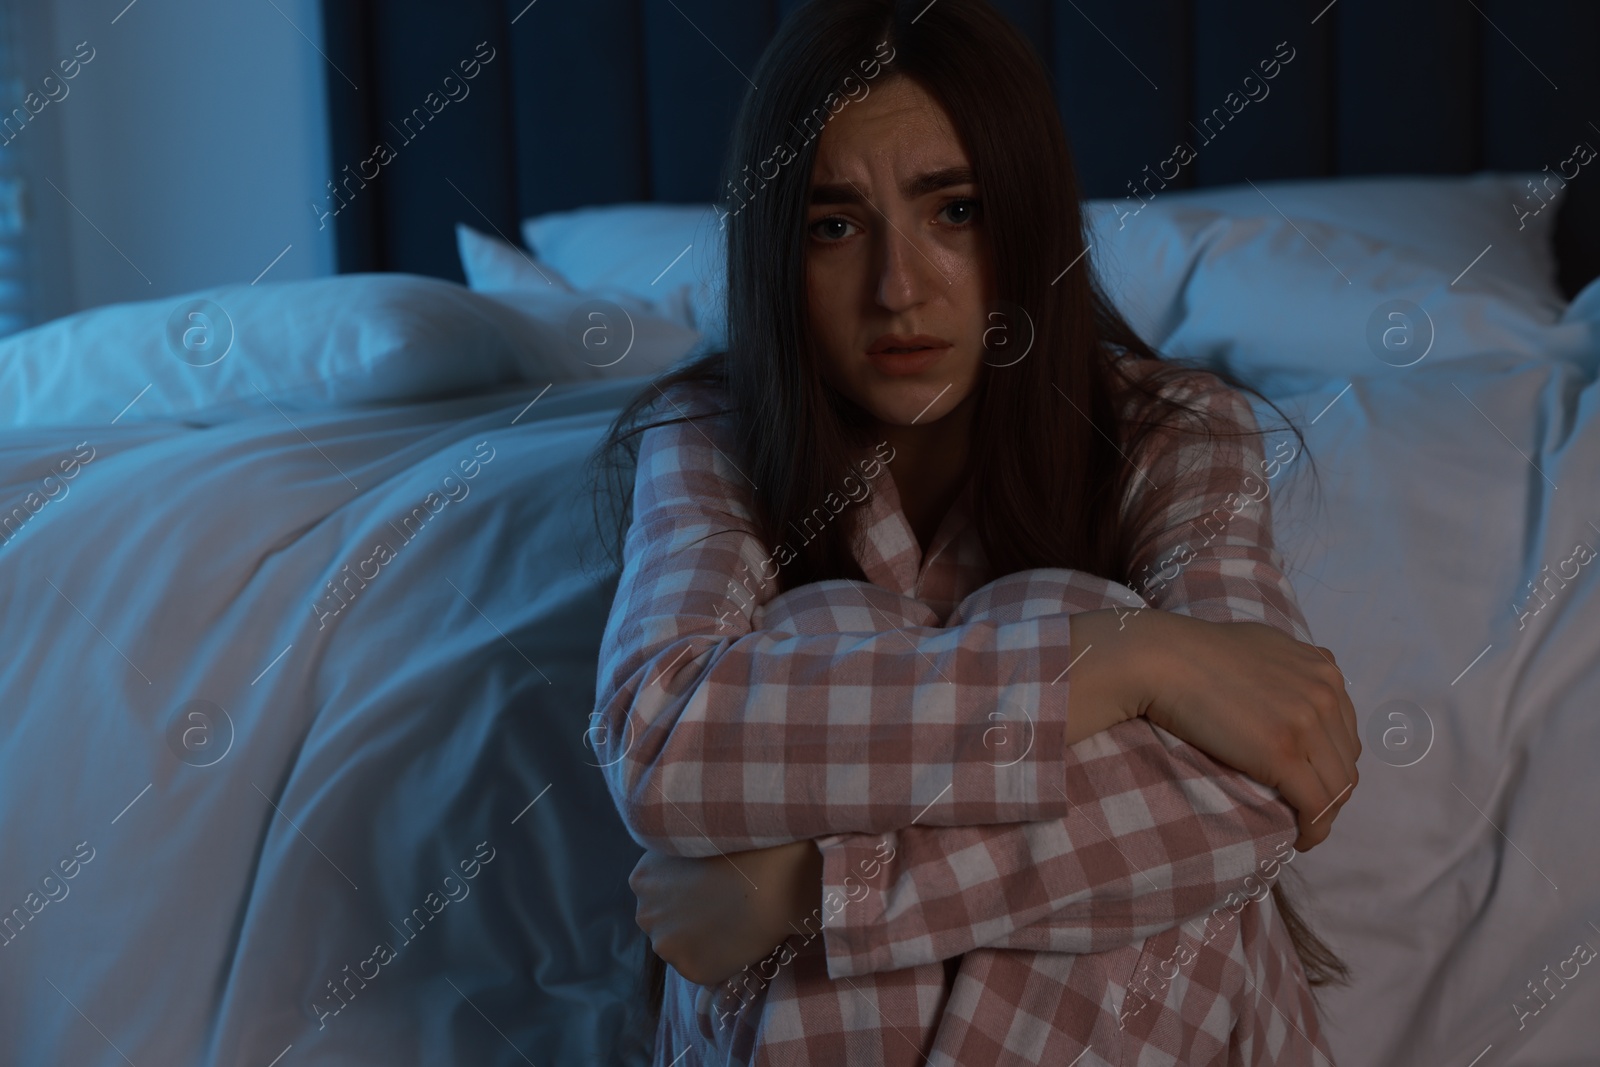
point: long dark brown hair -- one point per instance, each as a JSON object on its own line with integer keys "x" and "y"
{"x": 1046, "y": 473}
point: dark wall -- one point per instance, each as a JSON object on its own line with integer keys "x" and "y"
{"x": 601, "y": 101}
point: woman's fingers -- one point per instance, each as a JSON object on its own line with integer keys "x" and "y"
{"x": 1351, "y": 725}
{"x": 1302, "y": 787}
{"x": 1322, "y": 781}
{"x": 1337, "y": 741}
{"x": 1254, "y": 697}
{"x": 1320, "y": 775}
{"x": 700, "y": 916}
{"x": 1347, "y": 709}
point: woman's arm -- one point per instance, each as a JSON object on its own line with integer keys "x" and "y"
{"x": 1160, "y": 832}
{"x": 1159, "y": 835}
{"x": 852, "y": 713}
{"x": 849, "y": 710}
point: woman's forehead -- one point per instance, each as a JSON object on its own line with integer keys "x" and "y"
{"x": 891, "y": 106}
{"x": 899, "y": 130}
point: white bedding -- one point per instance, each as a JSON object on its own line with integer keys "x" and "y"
{"x": 369, "y": 754}
{"x": 1457, "y": 873}
{"x": 365, "y": 754}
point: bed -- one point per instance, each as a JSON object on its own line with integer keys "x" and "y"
{"x": 302, "y": 599}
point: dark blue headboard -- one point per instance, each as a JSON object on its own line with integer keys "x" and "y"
{"x": 601, "y": 101}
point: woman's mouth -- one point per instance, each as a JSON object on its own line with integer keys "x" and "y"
{"x": 898, "y": 354}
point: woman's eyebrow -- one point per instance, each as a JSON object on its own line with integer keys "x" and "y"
{"x": 921, "y": 185}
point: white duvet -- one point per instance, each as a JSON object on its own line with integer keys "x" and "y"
{"x": 279, "y": 703}
{"x": 1466, "y": 863}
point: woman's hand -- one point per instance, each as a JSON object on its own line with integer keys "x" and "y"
{"x": 711, "y": 917}
{"x": 1252, "y": 697}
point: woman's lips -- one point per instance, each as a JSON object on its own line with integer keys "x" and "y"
{"x": 900, "y": 363}
{"x": 913, "y": 362}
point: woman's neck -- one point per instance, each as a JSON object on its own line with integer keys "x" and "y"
{"x": 929, "y": 467}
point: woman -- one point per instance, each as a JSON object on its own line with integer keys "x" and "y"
{"x": 868, "y": 542}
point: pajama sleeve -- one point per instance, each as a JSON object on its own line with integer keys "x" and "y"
{"x": 1159, "y": 833}
{"x": 715, "y": 735}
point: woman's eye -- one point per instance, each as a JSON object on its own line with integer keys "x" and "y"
{"x": 961, "y": 212}
{"x": 832, "y": 228}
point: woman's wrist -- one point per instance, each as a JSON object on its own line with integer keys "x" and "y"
{"x": 1159, "y": 640}
{"x": 1123, "y": 662}
{"x": 806, "y": 904}
{"x": 791, "y": 881}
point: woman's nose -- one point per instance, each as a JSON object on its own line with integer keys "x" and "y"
{"x": 906, "y": 275}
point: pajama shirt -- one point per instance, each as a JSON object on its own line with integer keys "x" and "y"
{"x": 991, "y": 895}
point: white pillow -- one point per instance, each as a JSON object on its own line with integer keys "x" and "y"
{"x": 671, "y": 255}
{"x": 1435, "y": 226}
{"x": 490, "y": 263}
{"x": 565, "y": 335}
{"x": 1446, "y": 220}
{"x": 1264, "y": 293}
{"x": 222, "y": 353}
{"x": 575, "y": 337}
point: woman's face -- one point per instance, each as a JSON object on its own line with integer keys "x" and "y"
{"x": 895, "y": 257}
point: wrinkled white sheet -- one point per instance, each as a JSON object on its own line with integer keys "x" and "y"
{"x": 1458, "y": 872}
{"x": 350, "y": 767}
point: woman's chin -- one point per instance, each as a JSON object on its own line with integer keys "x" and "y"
{"x": 913, "y": 402}
{"x": 909, "y": 399}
